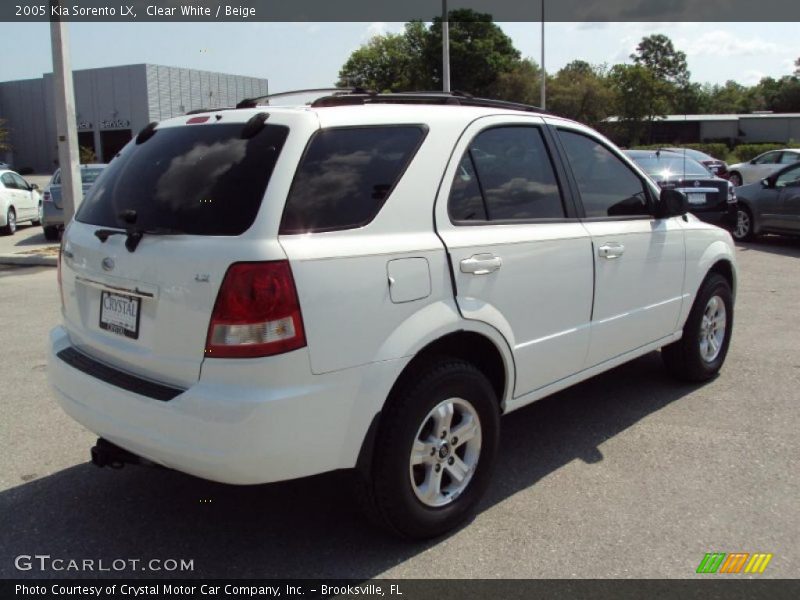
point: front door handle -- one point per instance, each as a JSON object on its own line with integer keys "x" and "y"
{"x": 611, "y": 250}
{"x": 481, "y": 264}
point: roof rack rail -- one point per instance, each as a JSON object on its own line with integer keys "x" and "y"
{"x": 354, "y": 96}
{"x": 452, "y": 98}
{"x": 333, "y": 91}
{"x": 197, "y": 111}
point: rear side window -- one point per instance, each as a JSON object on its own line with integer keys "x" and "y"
{"x": 608, "y": 187}
{"x": 346, "y": 175}
{"x": 195, "y": 179}
{"x": 515, "y": 178}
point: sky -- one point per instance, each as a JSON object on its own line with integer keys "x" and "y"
{"x": 306, "y": 55}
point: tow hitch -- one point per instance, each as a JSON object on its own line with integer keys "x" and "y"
{"x": 106, "y": 454}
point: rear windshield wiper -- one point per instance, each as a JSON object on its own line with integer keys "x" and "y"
{"x": 134, "y": 235}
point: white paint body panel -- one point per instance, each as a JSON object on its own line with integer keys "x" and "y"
{"x": 308, "y": 411}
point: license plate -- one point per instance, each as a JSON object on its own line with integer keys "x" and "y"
{"x": 120, "y": 314}
{"x": 695, "y": 198}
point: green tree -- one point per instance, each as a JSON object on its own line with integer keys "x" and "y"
{"x": 87, "y": 155}
{"x": 479, "y": 52}
{"x": 4, "y": 137}
{"x": 582, "y": 92}
{"x": 520, "y": 84}
{"x": 640, "y": 98}
{"x": 657, "y": 53}
{"x": 382, "y": 64}
{"x": 483, "y": 60}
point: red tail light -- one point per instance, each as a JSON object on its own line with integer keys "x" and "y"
{"x": 47, "y": 197}
{"x": 256, "y": 313}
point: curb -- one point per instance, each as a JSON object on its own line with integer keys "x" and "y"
{"x": 30, "y": 260}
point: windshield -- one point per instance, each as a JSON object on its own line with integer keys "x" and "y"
{"x": 196, "y": 179}
{"x": 667, "y": 167}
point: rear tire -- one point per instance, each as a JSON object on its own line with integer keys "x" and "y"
{"x": 424, "y": 480}
{"x": 11, "y": 223}
{"x": 743, "y": 231}
{"x": 700, "y": 353}
{"x": 51, "y": 233}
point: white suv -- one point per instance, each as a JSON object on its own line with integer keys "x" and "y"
{"x": 368, "y": 283}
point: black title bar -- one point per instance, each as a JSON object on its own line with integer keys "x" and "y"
{"x": 398, "y": 10}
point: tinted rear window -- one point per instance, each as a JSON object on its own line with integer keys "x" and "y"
{"x": 197, "y": 179}
{"x": 671, "y": 166}
{"x": 90, "y": 175}
{"x": 346, "y": 175}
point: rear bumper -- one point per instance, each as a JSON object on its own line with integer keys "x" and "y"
{"x": 244, "y": 422}
{"x": 52, "y": 215}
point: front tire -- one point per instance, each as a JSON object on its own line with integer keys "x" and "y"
{"x": 11, "y": 223}
{"x": 743, "y": 232}
{"x": 38, "y": 220}
{"x": 434, "y": 451}
{"x": 699, "y": 354}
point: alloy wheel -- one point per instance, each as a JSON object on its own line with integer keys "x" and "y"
{"x": 712, "y": 329}
{"x": 445, "y": 452}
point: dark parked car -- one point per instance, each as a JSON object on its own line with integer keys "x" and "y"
{"x": 711, "y": 198}
{"x": 716, "y": 166}
{"x": 53, "y": 215}
{"x": 771, "y": 205}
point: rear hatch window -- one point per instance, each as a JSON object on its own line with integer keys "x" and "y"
{"x": 346, "y": 175}
{"x": 205, "y": 179}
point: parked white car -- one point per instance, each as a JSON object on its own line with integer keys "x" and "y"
{"x": 369, "y": 283}
{"x": 20, "y": 201}
{"x": 762, "y": 166}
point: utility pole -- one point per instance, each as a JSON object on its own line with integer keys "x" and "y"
{"x": 445, "y": 48}
{"x": 66, "y": 125}
{"x": 543, "y": 85}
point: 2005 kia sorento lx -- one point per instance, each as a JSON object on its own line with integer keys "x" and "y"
{"x": 369, "y": 282}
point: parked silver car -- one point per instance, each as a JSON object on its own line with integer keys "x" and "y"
{"x": 53, "y": 213}
{"x": 762, "y": 166}
{"x": 771, "y": 205}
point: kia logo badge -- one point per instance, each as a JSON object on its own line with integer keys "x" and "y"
{"x": 108, "y": 264}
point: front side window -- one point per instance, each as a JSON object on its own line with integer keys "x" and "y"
{"x": 346, "y": 175}
{"x": 20, "y": 182}
{"x": 770, "y": 158}
{"x": 789, "y": 177}
{"x": 608, "y": 187}
{"x": 506, "y": 175}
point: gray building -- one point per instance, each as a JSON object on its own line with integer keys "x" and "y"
{"x": 749, "y": 128}
{"x": 112, "y": 104}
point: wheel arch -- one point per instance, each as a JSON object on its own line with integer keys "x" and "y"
{"x": 473, "y": 342}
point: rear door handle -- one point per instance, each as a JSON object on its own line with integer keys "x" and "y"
{"x": 481, "y": 264}
{"x": 611, "y": 250}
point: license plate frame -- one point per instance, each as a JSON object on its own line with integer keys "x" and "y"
{"x": 120, "y": 322}
{"x": 696, "y": 197}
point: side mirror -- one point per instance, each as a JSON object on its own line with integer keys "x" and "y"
{"x": 672, "y": 203}
{"x": 34, "y": 186}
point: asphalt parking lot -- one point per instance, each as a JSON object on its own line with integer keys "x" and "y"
{"x": 630, "y": 474}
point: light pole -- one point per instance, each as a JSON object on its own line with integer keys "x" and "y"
{"x": 66, "y": 125}
{"x": 543, "y": 85}
{"x": 445, "y": 48}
